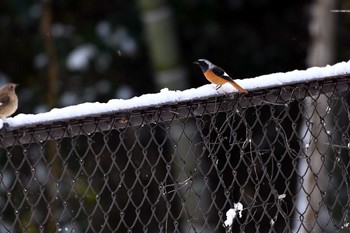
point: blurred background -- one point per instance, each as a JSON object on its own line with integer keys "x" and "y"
{"x": 65, "y": 52}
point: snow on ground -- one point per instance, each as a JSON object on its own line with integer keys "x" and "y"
{"x": 166, "y": 96}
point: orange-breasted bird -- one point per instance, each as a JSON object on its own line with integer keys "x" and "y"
{"x": 217, "y": 75}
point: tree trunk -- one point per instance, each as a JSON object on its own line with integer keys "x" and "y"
{"x": 311, "y": 208}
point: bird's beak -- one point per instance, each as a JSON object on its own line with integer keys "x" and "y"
{"x": 195, "y": 62}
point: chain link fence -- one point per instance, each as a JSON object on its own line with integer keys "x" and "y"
{"x": 282, "y": 153}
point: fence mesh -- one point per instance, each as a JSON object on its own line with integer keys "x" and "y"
{"x": 282, "y": 153}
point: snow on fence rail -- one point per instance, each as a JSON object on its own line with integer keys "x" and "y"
{"x": 198, "y": 160}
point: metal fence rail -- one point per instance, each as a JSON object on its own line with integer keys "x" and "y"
{"x": 282, "y": 153}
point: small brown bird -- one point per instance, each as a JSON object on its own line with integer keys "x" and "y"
{"x": 8, "y": 100}
{"x": 217, "y": 75}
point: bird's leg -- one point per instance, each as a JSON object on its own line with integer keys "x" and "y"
{"x": 218, "y": 86}
{"x": 5, "y": 125}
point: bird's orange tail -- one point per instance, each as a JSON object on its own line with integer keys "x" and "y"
{"x": 238, "y": 87}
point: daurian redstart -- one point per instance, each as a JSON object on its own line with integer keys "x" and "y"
{"x": 8, "y": 100}
{"x": 217, "y": 75}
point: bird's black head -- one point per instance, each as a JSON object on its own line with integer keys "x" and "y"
{"x": 203, "y": 64}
